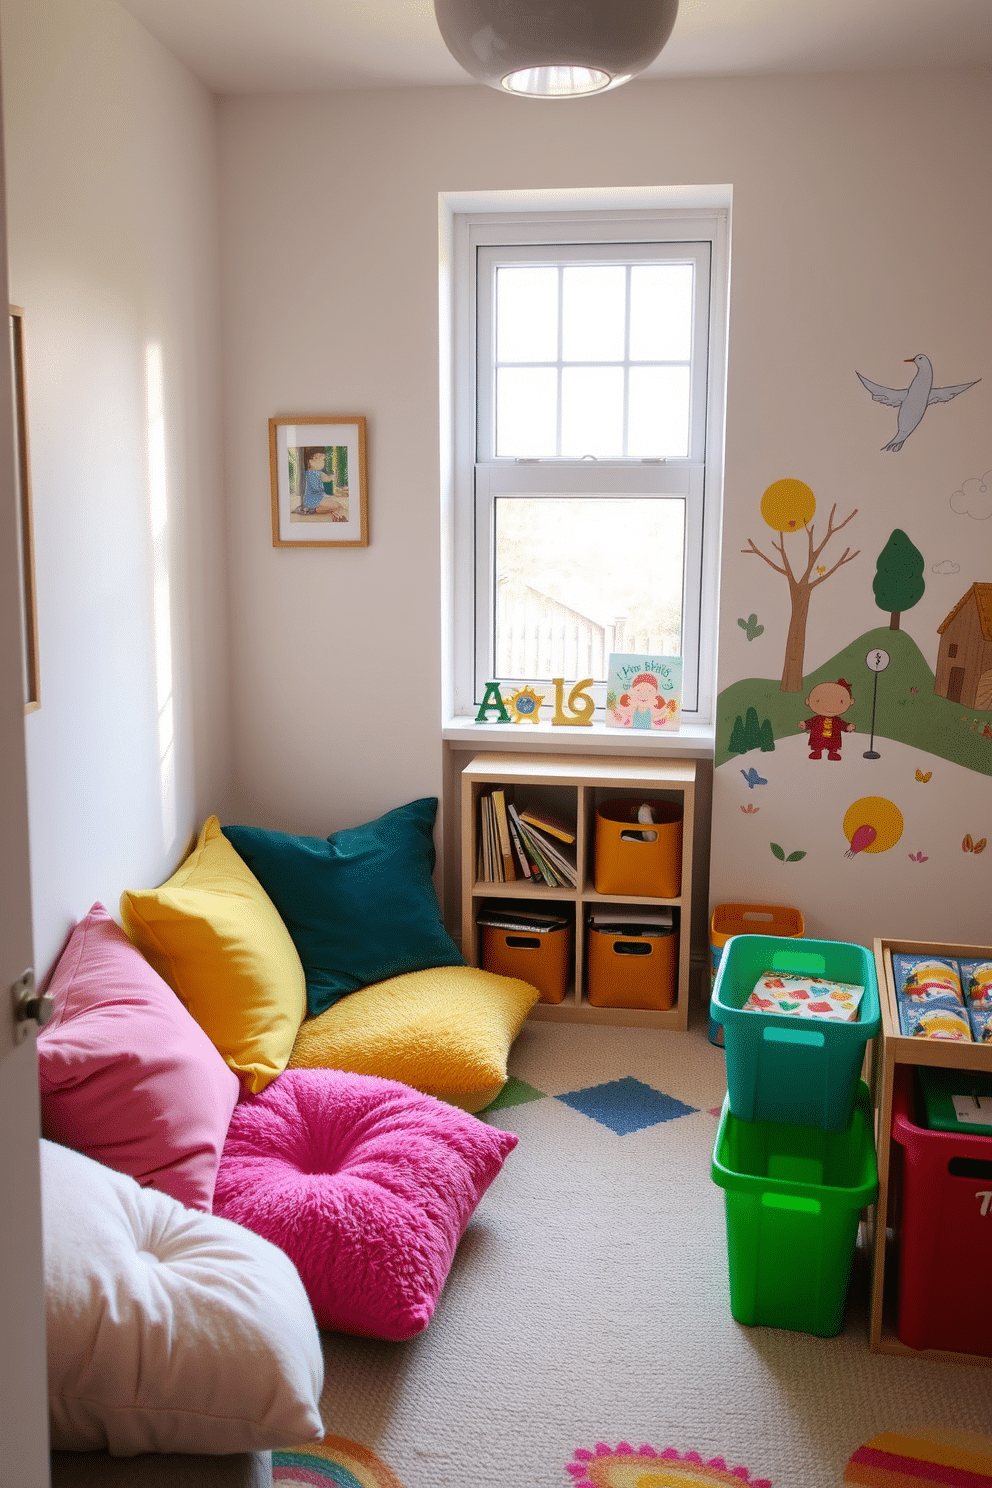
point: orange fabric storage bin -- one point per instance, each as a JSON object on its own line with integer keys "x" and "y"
{"x": 627, "y": 970}
{"x": 627, "y": 861}
{"x": 541, "y": 957}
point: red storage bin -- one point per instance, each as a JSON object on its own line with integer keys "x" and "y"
{"x": 946, "y": 1231}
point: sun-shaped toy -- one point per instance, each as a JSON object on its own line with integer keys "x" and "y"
{"x": 525, "y": 705}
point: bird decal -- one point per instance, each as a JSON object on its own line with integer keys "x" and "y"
{"x": 913, "y": 401}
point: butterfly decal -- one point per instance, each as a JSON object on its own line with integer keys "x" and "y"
{"x": 923, "y": 778}
{"x": 968, "y": 845}
{"x": 753, "y": 778}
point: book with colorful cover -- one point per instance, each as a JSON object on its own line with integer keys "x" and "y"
{"x": 644, "y": 692}
{"x": 539, "y": 852}
{"x": 547, "y": 823}
{"x": 805, "y": 996}
{"x": 518, "y": 846}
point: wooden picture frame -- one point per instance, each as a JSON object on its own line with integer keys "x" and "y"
{"x": 319, "y": 484}
{"x": 25, "y": 522}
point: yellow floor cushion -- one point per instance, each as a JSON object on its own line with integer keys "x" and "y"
{"x": 446, "y": 1032}
{"x": 215, "y": 936}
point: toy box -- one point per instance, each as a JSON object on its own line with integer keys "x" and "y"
{"x": 794, "y": 1197}
{"x": 785, "y": 1068}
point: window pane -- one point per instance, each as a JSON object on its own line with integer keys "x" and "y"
{"x": 661, "y": 312}
{"x": 577, "y": 578}
{"x": 527, "y": 315}
{"x": 526, "y": 412}
{"x": 591, "y": 412}
{"x": 593, "y": 310}
{"x": 659, "y": 413}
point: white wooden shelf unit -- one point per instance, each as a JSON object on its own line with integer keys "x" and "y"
{"x": 572, "y": 787}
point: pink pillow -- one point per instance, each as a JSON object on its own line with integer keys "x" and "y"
{"x": 366, "y": 1185}
{"x": 127, "y": 1076}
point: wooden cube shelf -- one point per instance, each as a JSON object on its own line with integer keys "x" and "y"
{"x": 573, "y": 787}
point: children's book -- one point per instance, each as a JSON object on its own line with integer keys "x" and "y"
{"x": 546, "y": 823}
{"x": 503, "y": 836}
{"x": 545, "y": 861}
{"x": 805, "y": 996}
{"x": 522, "y": 920}
{"x": 518, "y": 847}
{"x": 644, "y": 692}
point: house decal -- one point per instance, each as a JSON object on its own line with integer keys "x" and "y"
{"x": 964, "y": 662}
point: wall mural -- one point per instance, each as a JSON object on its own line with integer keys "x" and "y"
{"x": 855, "y": 747}
{"x": 876, "y": 698}
{"x": 879, "y": 683}
{"x": 913, "y": 401}
{"x": 788, "y": 507}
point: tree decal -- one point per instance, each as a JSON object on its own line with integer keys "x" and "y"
{"x": 749, "y": 733}
{"x": 787, "y": 506}
{"x": 898, "y": 583}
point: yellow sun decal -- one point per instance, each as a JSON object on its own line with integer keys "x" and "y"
{"x": 872, "y": 825}
{"x": 525, "y": 705}
{"x": 788, "y": 505}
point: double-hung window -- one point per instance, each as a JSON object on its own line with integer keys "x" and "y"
{"x": 589, "y": 471}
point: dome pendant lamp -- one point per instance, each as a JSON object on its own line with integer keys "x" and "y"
{"x": 555, "y": 48}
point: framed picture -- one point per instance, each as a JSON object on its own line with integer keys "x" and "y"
{"x": 25, "y": 526}
{"x": 319, "y": 495}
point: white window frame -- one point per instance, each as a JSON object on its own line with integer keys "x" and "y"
{"x": 477, "y": 483}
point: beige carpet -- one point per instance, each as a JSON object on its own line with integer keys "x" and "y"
{"x": 589, "y": 1304}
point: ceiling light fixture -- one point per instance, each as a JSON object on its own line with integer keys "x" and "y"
{"x": 555, "y": 48}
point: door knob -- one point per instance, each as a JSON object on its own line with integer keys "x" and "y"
{"x": 29, "y": 1006}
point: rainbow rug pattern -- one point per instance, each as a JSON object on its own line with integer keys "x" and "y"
{"x": 346, "y": 1464}
{"x": 897, "y": 1459}
{"x": 625, "y": 1466}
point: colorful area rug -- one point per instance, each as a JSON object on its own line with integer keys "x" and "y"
{"x": 625, "y": 1466}
{"x": 348, "y": 1464}
{"x": 955, "y": 1459}
{"x": 336, "y": 1460}
{"x": 896, "y": 1459}
{"x": 589, "y": 1301}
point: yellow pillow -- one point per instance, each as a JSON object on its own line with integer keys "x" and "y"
{"x": 215, "y": 936}
{"x": 446, "y": 1032}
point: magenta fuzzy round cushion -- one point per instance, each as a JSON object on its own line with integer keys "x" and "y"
{"x": 366, "y": 1185}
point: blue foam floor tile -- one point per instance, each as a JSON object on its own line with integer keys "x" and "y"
{"x": 626, "y": 1105}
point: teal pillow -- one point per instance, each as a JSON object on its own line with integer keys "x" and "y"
{"x": 359, "y": 905}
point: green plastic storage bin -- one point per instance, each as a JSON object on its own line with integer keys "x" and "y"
{"x": 794, "y": 1197}
{"x": 784, "y": 1068}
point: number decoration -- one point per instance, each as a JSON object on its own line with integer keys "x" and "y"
{"x": 580, "y": 704}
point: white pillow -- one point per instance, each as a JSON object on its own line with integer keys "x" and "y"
{"x": 169, "y": 1330}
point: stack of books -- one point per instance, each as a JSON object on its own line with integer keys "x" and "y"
{"x": 522, "y": 921}
{"x": 629, "y": 920}
{"x": 524, "y": 844}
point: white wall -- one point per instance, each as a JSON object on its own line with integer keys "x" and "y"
{"x": 864, "y": 243}
{"x": 328, "y": 209}
{"x": 329, "y": 253}
{"x": 111, "y": 167}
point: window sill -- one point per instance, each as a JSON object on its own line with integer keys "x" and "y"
{"x": 691, "y": 741}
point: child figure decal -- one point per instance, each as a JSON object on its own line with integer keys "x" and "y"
{"x": 827, "y": 728}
